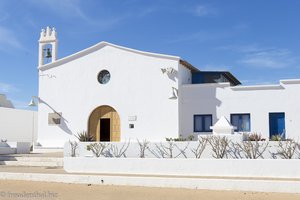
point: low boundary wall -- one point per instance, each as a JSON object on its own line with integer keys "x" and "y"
{"x": 260, "y": 168}
{"x": 262, "y": 175}
{"x": 185, "y": 171}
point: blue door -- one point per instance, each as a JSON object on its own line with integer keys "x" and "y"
{"x": 277, "y": 124}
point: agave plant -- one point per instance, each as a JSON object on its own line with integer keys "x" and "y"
{"x": 276, "y": 138}
{"x": 84, "y": 136}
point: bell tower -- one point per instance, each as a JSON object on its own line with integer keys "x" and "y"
{"x": 47, "y": 46}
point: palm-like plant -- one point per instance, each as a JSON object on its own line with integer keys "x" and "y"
{"x": 84, "y": 136}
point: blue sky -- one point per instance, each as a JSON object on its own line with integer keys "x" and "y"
{"x": 258, "y": 41}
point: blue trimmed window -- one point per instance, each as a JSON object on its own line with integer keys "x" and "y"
{"x": 202, "y": 123}
{"x": 241, "y": 122}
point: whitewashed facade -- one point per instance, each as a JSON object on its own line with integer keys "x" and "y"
{"x": 147, "y": 96}
{"x": 257, "y": 101}
{"x": 16, "y": 125}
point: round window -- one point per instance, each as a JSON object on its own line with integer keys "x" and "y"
{"x": 104, "y": 77}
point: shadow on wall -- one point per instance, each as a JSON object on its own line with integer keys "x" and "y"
{"x": 211, "y": 102}
{"x": 171, "y": 73}
{"x": 63, "y": 123}
{"x": 198, "y": 100}
{"x": 173, "y": 76}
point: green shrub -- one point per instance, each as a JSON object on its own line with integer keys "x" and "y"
{"x": 181, "y": 139}
{"x": 277, "y": 138}
{"x": 191, "y": 137}
{"x": 254, "y": 137}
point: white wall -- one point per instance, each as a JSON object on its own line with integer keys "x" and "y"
{"x": 221, "y": 174}
{"x": 137, "y": 88}
{"x": 185, "y": 167}
{"x": 18, "y": 125}
{"x": 223, "y": 100}
{"x": 185, "y": 77}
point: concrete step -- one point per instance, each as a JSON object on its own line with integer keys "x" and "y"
{"x": 31, "y": 161}
{"x": 32, "y": 164}
{"x": 7, "y": 150}
{"x": 40, "y": 149}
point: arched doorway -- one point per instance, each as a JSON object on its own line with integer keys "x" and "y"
{"x": 104, "y": 124}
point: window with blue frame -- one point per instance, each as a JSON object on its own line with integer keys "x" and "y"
{"x": 202, "y": 123}
{"x": 241, "y": 122}
{"x": 277, "y": 124}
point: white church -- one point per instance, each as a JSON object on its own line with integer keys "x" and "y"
{"x": 117, "y": 93}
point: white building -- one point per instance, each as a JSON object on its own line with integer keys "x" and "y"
{"x": 117, "y": 93}
{"x": 266, "y": 109}
{"x": 18, "y": 128}
{"x": 4, "y": 102}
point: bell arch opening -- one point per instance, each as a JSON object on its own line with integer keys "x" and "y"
{"x": 104, "y": 124}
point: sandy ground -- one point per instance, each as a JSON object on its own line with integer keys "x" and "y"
{"x": 56, "y": 191}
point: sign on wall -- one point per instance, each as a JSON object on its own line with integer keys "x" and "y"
{"x": 54, "y": 118}
{"x": 132, "y": 118}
